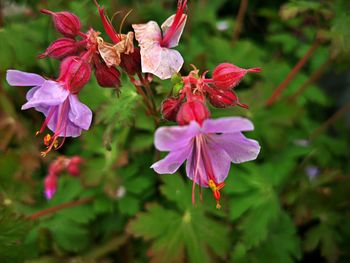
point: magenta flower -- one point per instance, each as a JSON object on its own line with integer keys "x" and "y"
{"x": 157, "y": 57}
{"x": 65, "y": 115}
{"x": 209, "y": 150}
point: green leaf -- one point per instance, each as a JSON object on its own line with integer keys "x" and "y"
{"x": 69, "y": 235}
{"x": 177, "y": 234}
{"x": 129, "y": 205}
{"x": 281, "y": 245}
{"x": 13, "y": 230}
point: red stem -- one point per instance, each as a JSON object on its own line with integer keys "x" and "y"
{"x": 292, "y": 73}
{"x": 57, "y": 208}
{"x": 314, "y": 77}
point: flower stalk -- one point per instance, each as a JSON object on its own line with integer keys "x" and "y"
{"x": 275, "y": 95}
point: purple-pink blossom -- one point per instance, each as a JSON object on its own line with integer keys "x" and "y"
{"x": 209, "y": 150}
{"x": 65, "y": 115}
{"x": 157, "y": 55}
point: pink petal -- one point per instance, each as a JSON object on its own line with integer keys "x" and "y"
{"x": 174, "y": 41}
{"x": 227, "y": 125}
{"x": 147, "y": 34}
{"x": 79, "y": 113}
{"x": 237, "y": 146}
{"x": 171, "y": 163}
{"x": 20, "y": 78}
{"x": 160, "y": 61}
{"x": 220, "y": 160}
{"x": 71, "y": 130}
{"x": 211, "y": 161}
{"x": 175, "y": 137}
{"x": 49, "y": 94}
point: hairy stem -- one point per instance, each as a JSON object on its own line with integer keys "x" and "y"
{"x": 292, "y": 73}
{"x": 60, "y": 207}
{"x": 330, "y": 121}
{"x": 239, "y": 21}
{"x": 143, "y": 95}
{"x": 112, "y": 245}
{"x": 313, "y": 78}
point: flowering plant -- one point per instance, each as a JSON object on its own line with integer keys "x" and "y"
{"x": 141, "y": 106}
{"x": 208, "y": 145}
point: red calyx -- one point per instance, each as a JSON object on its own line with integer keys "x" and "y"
{"x": 170, "y": 108}
{"x": 61, "y": 48}
{"x": 192, "y": 111}
{"x": 106, "y": 77}
{"x": 131, "y": 63}
{"x": 75, "y": 73}
{"x": 224, "y": 98}
{"x": 66, "y": 23}
{"x": 226, "y": 76}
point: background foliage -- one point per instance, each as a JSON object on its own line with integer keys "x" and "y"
{"x": 291, "y": 205}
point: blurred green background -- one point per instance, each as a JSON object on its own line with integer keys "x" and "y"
{"x": 290, "y": 205}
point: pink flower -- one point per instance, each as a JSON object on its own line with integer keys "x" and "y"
{"x": 65, "y": 115}
{"x": 209, "y": 150}
{"x": 157, "y": 57}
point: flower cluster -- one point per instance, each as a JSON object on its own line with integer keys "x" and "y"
{"x": 58, "y": 166}
{"x": 208, "y": 145}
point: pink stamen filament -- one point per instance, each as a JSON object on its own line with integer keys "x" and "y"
{"x": 179, "y": 19}
{"x": 48, "y": 118}
{"x": 62, "y": 119}
{"x": 200, "y": 151}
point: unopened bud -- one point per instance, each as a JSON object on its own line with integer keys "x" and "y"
{"x": 106, "y": 77}
{"x": 192, "y": 111}
{"x": 73, "y": 166}
{"x": 61, "y": 48}
{"x": 66, "y": 23}
{"x": 227, "y": 76}
{"x": 50, "y": 184}
{"x": 170, "y": 108}
{"x": 75, "y": 73}
{"x": 131, "y": 63}
{"x": 222, "y": 98}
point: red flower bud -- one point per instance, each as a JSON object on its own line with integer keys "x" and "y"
{"x": 170, "y": 108}
{"x": 222, "y": 98}
{"x": 106, "y": 77}
{"x": 73, "y": 165}
{"x": 66, "y": 23}
{"x": 75, "y": 73}
{"x": 131, "y": 63}
{"x": 50, "y": 184}
{"x": 192, "y": 111}
{"x": 61, "y": 48}
{"x": 227, "y": 76}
